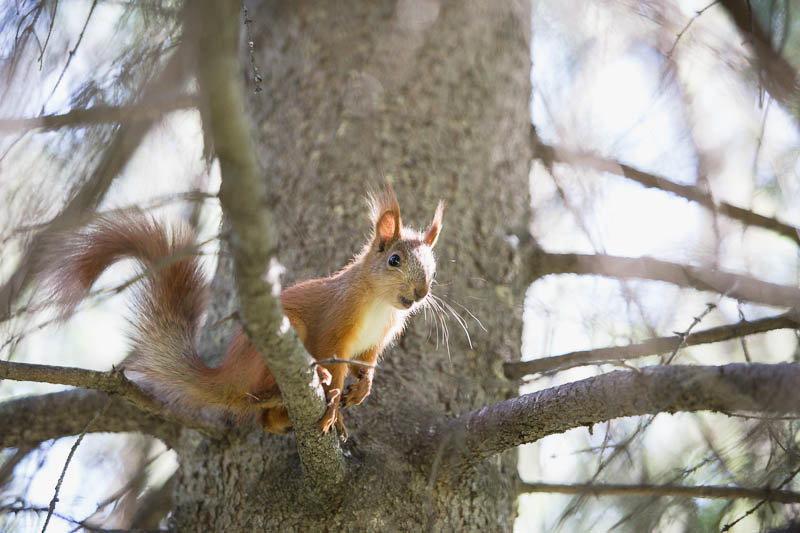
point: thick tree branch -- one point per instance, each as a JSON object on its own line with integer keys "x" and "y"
{"x": 476, "y": 435}
{"x": 550, "y": 154}
{"x": 699, "y": 491}
{"x": 35, "y": 419}
{"x": 243, "y": 196}
{"x": 100, "y": 114}
{"x": 652, "y": 346}
{"x": 113, "y": 382}
{"x": 539, "y": 263}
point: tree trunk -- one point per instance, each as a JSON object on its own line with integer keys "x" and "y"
{"x": 432, "y": 98}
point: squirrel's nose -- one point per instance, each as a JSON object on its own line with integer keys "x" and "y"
{"x": 420, "y": 293}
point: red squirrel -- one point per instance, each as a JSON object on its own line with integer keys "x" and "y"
{"x": 351, "y": 315}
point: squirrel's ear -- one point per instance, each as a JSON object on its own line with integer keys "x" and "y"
{"x": 432, "y": 232}
{"x": 387, "y": 229}
{"x": 385, "y": 214}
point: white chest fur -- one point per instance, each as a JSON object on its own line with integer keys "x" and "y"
{"x": 376, "y": 321}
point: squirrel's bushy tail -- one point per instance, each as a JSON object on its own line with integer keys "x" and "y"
{"x": 169, "y": 301}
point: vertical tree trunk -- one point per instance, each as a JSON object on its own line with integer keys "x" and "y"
{"x": 432, "y": 97}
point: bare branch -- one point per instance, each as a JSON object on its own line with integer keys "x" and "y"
{"x": 115, "y": 157}
{"x": 99, "y": 114}
{"x": 483, "y": 432}
{"x": 699, "y": 491}
{"x": 73, "y": 51}
{"x": 697, "y": 14}
{"x": 652, "y": 346}
{"x": 113, "y": 382}
{"x": 52, "y": 507}
{"x": 49, "y": 33}
{"x": 687, "y": 332}
{"x": 35, "y": 419}
{"x": 787, "y": 479}
{"x": 775, "y": 72}
{"x": 540, "y": 263}
{"x": 243, "y": 196}
{"x": 551, "y": 154}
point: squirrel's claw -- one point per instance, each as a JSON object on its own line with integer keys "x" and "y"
{"x": 325, "y": 376}
{"x": 333, "y": 415}
{"x": 340, "y": 425}
{"x": 357, "y": 392}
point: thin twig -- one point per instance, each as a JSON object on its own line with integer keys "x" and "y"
{"x": 753, "y": 509}
{"x": 66, "y": 464}
{"x": 27, "y": 509}
{"x": 71, "y": 54}
{"x": 152, "y": 204}
{"x": 49, "y": 33}
{"x": 682, "y": 335}
{"x": 691, "y": 20}
{"x": 335, "y": 360}
{"x": 135, "y": 482}
{"x": 742, "y": 340}
{"x": 99, "y": 114}
{"x": 652, "y": 346}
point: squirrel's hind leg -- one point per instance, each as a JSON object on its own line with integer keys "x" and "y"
{"x": 276, "y": 420}
{"x": 334, "y": 396}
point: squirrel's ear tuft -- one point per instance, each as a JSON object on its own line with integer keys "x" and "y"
{"x": 385, "y": 214}
{"x": 432, "y": 233}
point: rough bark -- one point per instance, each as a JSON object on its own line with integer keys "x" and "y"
{"x": 32, "y": 420}
{"x": 432, "y": 98}
{"x": 737, "y": 387}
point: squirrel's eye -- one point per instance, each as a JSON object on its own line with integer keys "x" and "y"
{"x": 434, "y": 274}
{"x": 394, "y": 261}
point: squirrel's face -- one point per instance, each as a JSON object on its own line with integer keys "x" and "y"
{"x": 404, "y": 272}
{"x": 401, "y": 259}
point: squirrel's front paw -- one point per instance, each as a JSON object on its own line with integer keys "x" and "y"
{"x": 356, "y": 392}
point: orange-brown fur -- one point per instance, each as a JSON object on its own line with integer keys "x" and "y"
{"x": 329, "y": 314}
